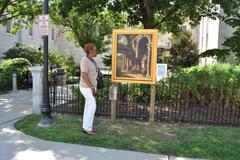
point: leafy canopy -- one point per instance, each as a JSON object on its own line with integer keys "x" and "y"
{"x": 88, "y": 21}
{"x": 165, "y": 15}
{"x": 22, "y": 11}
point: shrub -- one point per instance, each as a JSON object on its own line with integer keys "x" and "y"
{"x": 215, "y": 85}
{"x": 183, "y": 52}
{"x": 57, "y": 60}
{"x": 10, "y": 66}
{"x": 34, "y": 56}
{"x": 71, "y": 66}
{"x": 23, "y": 51}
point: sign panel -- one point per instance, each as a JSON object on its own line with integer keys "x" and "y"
{"x": 161, "y": 70}
{"x": 43, "y": 24}
{"x": 134, "y": 55}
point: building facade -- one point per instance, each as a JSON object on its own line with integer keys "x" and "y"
{"x": 58, "y": 41}
{"x": 210, "y": 35}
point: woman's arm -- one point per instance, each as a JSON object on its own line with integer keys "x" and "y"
{"x": 90, "y": 85}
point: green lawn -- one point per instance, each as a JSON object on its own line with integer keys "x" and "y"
{"x": 187, "y": 141}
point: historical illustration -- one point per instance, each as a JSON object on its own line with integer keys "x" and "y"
{"x": 134, "y": 56}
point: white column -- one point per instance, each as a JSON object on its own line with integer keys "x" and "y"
{"x": 14, "y": 79}
{"x": 37, "y": 91}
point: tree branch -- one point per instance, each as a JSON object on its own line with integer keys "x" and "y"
{"x": 166, "y": 17}
{"x": 4, "y": 6}
{"x": 8, "y": 18}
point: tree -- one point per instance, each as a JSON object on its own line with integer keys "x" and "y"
{"x": 183, "y": 52}
{"x": 165, "y": 15}
{"x": 23, "y": 11}
{"x": 88, "y": 22}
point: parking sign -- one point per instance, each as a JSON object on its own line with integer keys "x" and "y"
{"x": 43, "y": 24}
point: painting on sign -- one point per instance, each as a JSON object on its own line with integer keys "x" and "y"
{"x": 134, "y": 56}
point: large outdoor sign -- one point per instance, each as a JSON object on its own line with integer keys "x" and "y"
{"x": 43, "y": 24}
{"x": 134, "y": 55}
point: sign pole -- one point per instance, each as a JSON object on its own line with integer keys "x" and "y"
{"x": 46, "y": 119}
{"x": 113, "y": 98}
{"x": 152, "y": 104}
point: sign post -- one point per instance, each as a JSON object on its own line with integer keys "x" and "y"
{"x": 113, "y": 98}
{"x": 46, "y": 119}
{"x": 134, "y": 57}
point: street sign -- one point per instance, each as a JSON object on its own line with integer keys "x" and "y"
{"x": 43, "y": 24}
{"x": 161, "y": 70}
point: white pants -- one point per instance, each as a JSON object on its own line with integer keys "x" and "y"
{"x": 89, "y": 108}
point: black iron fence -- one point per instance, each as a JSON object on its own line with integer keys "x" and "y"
{"x": 176, "y": 101}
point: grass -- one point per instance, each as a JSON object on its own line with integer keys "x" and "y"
{"x": 169, "y": 139}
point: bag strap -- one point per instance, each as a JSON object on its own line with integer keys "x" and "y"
{"x": 95, "y": 64}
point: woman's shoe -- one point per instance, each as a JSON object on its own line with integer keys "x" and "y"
{"x": 93, "y": 130}
{"x": 89, "y": 132}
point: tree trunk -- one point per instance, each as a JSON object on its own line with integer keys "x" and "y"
{"x": 148, "y": 22}
{"x": 148, "y": 16}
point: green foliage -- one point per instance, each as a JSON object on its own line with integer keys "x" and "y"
{"x": 107, "y": 60}
{"x": 87, "y": 21}
{"x": 221, "y": 54}
{"x": 183, "y": 52}
{"x": 23, "y": 51}
{"x": 22, "y": 11}
{"x": 72, "y": 79}
{"x": 214, "y": 75}
{"x": 232, "y": 43}
{"x": 10, "y": 66}
{"x": 103, "y": 94}
{"x": 57, "y": 60}
{"x": 210, "y": 86}
{"x": 138, "y": 93}
{"x": 164, "y": 15}
{"x": 71, "y": 66}
{"x": 214, "y": 85}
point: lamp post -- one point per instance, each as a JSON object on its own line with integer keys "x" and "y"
{"x": 46, "y": 119}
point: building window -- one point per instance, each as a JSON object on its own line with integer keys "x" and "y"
{"x": 30, "y": 31}
{"x": 53, "y": 34}
{"x": 8, "y": 27}
{"x": 183, "y": 27}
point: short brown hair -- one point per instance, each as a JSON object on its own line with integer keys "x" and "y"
{"x": 88, "y": 47}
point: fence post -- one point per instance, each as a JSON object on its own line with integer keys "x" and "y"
{"x": 14, "y": 79}
{"x": 113, "y": 98}
{"x": 152, "y": 104}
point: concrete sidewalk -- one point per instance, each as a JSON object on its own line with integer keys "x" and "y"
{"x": 17, "y": 146}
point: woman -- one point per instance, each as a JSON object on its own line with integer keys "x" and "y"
{"x": 88, "y": 85}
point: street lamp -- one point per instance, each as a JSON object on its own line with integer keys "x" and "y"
{"x": 46, "y": 119}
